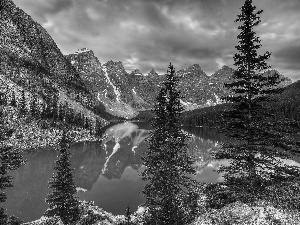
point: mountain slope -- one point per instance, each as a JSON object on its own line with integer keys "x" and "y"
{"x": 124, "y": 94}
{"x": 107, "y": 82}
{"x": 31, "y": 60}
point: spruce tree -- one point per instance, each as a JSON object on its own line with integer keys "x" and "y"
{"x": 33, "y": 106}
{"x": 44, "y": 110}
{"x": 97, "y": 127}
{"x": 171, "y": 190}
{"x": 2, "y": 95}
{"x": 55, "y": 109}
{"x": 48, "y": 111}
{"x": 255, "y": 172}
{"x": 87, "y": 123}
{"x": 61, "y": 112}
{"x": 13, "y": 102}
{"x": 22, "y": 104}
{"x": 3, "y": 99}
{"x": 10, "y": 159}
{"x": 62, "y": 200}
{"x": 128, "y": 215}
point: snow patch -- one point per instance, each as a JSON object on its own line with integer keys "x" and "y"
{"x": 115, "y": 149}
{"x": 117, "y": 92}
{"x": 81, "y": 50}
{"x": 133, "y": 149}
{"x": 80, "y": 189}
{"x": 133, "y": 91}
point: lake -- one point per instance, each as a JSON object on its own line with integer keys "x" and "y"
{"x": 105, "y": 172}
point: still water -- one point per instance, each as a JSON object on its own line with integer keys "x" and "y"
{"x": 105, "y": 172}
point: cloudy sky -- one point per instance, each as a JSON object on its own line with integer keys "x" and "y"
{"x": 146, "y": 34}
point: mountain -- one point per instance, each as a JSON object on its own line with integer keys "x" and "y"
{"x": 107, "y": 82}
{"x": 125, "y": 94}
{"x": 31, "y": 61}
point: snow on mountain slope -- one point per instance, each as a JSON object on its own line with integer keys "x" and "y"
{"x": 116, "y": 91}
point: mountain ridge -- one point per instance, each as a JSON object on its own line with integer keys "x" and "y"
{"x": 137, "y": 91}
{"x": 31, "y": 59}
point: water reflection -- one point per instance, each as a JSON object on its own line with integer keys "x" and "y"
{"x": 105, "y": 172}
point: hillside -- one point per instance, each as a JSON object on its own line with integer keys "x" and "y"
{"x": 286, "y": 105}
{"x": 31, "y": 61}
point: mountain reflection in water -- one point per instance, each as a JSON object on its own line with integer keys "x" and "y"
{"x": 105, "y": 172}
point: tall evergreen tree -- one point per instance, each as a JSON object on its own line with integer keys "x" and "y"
{"x": 128, "y": 216}
{"x": 13, "y": 100}
{"x": 62, "y": 200}
{"x": 256, "y": 172}
{"x": 1, "y": 98}
{"x": 171, "y": 189}
{"x": 43, "y": 110}
{"x": 48, "y": 111}
{"x": 98, "y": 127}
{"x": 87, "y": 123}
{"x": 10, "y": 159}
{"x": 55, "y": 104}
{"x": 70, "y": 115}
{"x": 22, "y": 104}
{"x": 33, "y": 106}
{"x": 4, "y": 98}
{"x": 61, "y": 112}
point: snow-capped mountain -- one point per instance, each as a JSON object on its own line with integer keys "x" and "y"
{"x": 124, "y": 94}
{"x": 31, "y": 60}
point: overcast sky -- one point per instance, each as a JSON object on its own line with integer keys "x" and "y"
{"x": 146, "y": 34}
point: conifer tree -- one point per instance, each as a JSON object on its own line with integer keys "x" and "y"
{"x": 33, "y": 106}
{"x": 55, "y": 109}
{"x": 255, "y": 172}
{"x": 62, "y": 200}
{"x": 22, "y": 104}
{"x": 70, "y": 115}
{"x": 13, "y": 102}
{"x": 2, "y": 97}
{"x": 48, "y": 111}
{"x": 97, "y": 127}
{"x": 87, "y": 123}
{"x": 10, "y": 159}
{"x": 43, "y": 110}
{"x": 82, "y": 120}
{"x": 128, "y": 215}
{"x": 171, "y": 189}
{"x": 61, "y": 112}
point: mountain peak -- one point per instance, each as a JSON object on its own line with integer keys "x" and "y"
{"x": 225, "y": 67}
{"x": 83, "y": 50}
{"x": 137, "y": 72}
{"x": 152, "y": 73}
{"x": 195, "y": 69}
{"x": 113, "y": 63}
{"x": 196, "y": 65}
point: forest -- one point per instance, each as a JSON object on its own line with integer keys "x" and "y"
{"x": 261, "y": 118}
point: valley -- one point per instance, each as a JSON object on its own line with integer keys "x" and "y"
{"x": 57, "y": 104}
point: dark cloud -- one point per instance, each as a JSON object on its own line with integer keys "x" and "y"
{"x": 147, "y": 34}
{"x": 37, "y": 9}
{"x": 58, "y": 5}
{"x": 289, "y": 55}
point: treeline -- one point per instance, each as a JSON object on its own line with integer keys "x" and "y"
{"x": 212, "y": 116}
{"x": 50, "y": 112}
{"x": 288, "y": 110}
{"x": 206, "y": 117}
